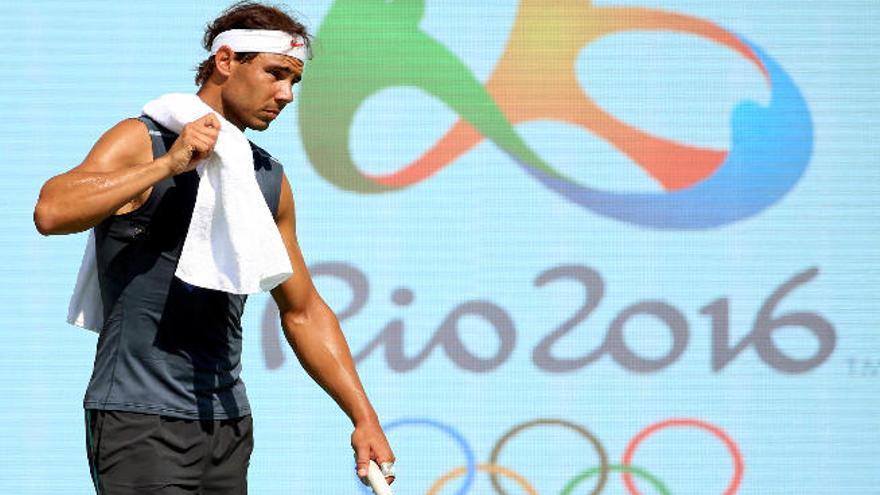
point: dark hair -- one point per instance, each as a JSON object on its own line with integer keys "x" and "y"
{"x": 246, "y": 15}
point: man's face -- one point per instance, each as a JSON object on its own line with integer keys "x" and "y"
{"x": 258, "y": 90}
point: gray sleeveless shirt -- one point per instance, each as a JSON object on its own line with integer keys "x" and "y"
{"x": 167, "y": 347}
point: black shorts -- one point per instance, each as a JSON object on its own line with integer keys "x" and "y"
{"x": 132, "y": 453}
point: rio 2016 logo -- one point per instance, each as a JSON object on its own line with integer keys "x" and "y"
{"x": 702, "y": 188}
{"x": 597, "y": 475}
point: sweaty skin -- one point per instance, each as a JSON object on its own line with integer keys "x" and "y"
{"x": 119, "y": 172}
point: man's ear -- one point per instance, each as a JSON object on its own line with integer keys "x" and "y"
{"x": 224, "y": 61}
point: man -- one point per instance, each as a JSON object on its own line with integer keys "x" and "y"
{"x": 166, "y": 411}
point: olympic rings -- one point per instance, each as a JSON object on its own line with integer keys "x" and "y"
{"x": 470, "y": 468}
{"x": 678, "y": 422}
{"x": 489, "y": 468}
{"x": 597, "y": 445}
{"x": 641, "y": 473}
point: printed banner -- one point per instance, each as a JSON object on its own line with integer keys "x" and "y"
{"x": 575, "y": 246}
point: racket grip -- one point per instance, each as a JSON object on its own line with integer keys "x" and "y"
{"x": 376, "y": 480}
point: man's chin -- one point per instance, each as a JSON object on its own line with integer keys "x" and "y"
{"x": 259, "y": 125}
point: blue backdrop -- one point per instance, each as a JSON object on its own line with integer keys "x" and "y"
{"x": 670, "y": 271}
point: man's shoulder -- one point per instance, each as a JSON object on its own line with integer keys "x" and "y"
{"x": 126, "y": 143}
{"x": 154, "y": 128}
{"x": 261, "y": 154}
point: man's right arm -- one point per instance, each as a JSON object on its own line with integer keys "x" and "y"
{"x": 117, "y": 174}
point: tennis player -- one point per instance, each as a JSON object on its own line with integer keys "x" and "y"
{"x": 166, "y": 410}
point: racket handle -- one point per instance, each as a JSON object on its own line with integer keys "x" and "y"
{"x": 376, "y": 480}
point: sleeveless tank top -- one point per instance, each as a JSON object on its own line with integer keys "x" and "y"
{"x": 167, "y": 347}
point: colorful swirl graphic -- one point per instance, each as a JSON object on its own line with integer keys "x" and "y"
{"x": 600, "y": 472}
{"x": 366, "y": 46}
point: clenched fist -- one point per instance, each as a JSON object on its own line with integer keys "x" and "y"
{"x": 194, "y": 144}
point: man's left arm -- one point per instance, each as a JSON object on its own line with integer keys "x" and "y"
{"x": 313, "y": 332}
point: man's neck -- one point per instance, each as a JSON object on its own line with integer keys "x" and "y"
{"x": 210, "y": 94}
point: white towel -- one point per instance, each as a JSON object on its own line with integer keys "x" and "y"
{"x": 86, "y": 310}
{"x": 232, "y": 245}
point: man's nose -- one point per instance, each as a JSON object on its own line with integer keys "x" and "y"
{"x": 285, "y": 93}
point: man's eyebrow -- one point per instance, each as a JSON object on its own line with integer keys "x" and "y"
{"x": 287, "y": 71}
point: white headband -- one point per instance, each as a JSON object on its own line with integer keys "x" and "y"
{"x": 262, "y": 40}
